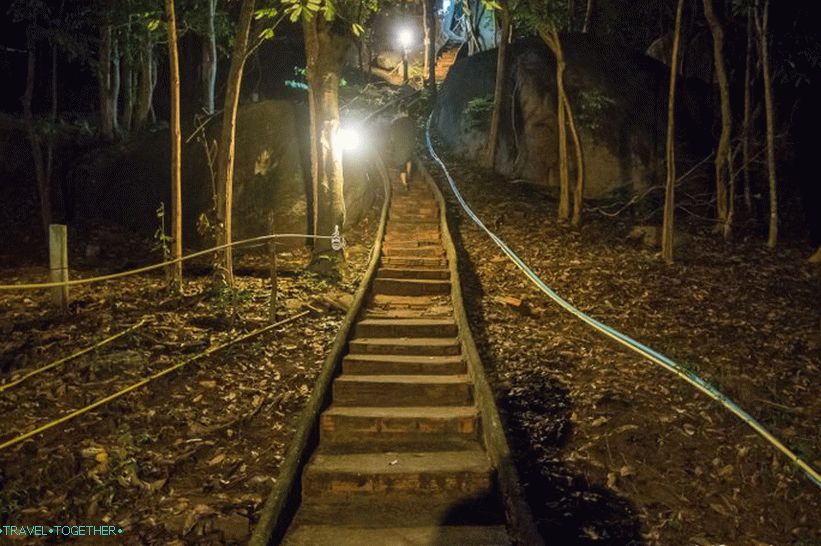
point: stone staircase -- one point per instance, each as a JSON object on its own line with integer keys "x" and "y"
{"x": 400, "y": 459}
{"x": 445, "y": 60}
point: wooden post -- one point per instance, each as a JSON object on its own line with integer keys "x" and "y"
{"x": 272, "y": 313}
{"x": 58, "y": 263}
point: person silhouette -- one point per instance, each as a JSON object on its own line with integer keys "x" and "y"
{"x": 403, "y": 142}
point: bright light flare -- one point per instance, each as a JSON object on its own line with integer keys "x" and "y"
{"x": 350, "y": 138}
{"x": 405, "y": 37}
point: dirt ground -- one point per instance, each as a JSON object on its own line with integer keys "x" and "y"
{"x": 191, "y": 457}
{"x": 613, "y": 449}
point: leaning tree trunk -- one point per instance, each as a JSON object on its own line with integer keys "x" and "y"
{"x": 669, "y": 194}
{"x": 578, "y": 189}
{"x": 723, "y": 152}
{"x": 570, "y": 120}
{"x": 225, "y": 151}
{"x": 323, "y": 52}
{"x": 761, "y": 23}
{"x": 176, "y": 144}
{"x": 209, "y": 61}
{"x": 43, "y": 184}
{"x": 499, "y": 92}
{"x": 745, "y": 137}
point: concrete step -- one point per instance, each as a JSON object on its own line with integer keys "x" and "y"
{"x": 447, "y": 474}
{"x": 402, "y": 510}
{"x": 412, "y": 273}
{"x": 412, "y": 238}
{"x": 369, "y": 427}
{"x": 410, "y": 287}
{"x": 462, "y": 535}
{"x": 414, "y": 327}
{"x": 420, "y": 346}
{"x": 437, "y": 312}
{"x": 411, "y": 223}
{"x": 409, "y": 302}
{"x": 414, "y": 213}
{"x": 402, "y": 390}
{"x": 403, "y": 365}
{"x": 394, "y": 249}
{"x": 437, "y": 262}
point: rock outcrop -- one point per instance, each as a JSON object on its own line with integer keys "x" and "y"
{"x": 620, "y": 102}
{"x": 271, "y": 177}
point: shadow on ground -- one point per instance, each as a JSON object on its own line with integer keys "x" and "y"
{"x": 536, "y": 408}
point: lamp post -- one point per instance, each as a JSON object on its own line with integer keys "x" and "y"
{"x": 405, "y": 41}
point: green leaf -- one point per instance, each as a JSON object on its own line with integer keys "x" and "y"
{"x": 153, "y": 25}
{"x": 267, "y": 13}
{"x": 295, "y": 11}
{"x": 267, "y": 34}
{"x": 357, "y": 29}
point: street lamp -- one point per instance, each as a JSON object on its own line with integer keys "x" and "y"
{"x": 350, "y": 138}
{"x": 405, "y": 38}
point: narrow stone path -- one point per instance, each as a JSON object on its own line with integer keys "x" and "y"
{"x": 400, "y": 459}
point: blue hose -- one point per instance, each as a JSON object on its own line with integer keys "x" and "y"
{"x": 625, "y": 340}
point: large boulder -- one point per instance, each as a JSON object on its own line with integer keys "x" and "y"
{"x": 126, "y": 184}
{"x": 620, "y": 102}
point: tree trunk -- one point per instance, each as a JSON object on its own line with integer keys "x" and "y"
{"x": 761, "y": 23}
{"x": 745, "y": 137}
{"x": 723, "y": 152}
{"x": 209, "y": 61}
{"x": 588, "y": 16}
{"x": 225, "y": 151}
{"x": 431, "y": 30}
{"x": 52, "y": 117}
{"x": 499, "y": 92}
{"x": 578, "y": 190}
{"x": 115, "y": 84}
{"x": 324, "y": 52}
{"x": 106, "y": 83}
{"x": 145, "y": 89}
{"x": 43, "y": 184}
{"x": 669, "y": 194}
{"x": 731, "y": 153}
{"x": 551, "y": 38}
{"x": 127, "y": 66}
{"x": 176, "y": 144}
{"x": 429, "y": 7}
{"x": 154, "y": 73}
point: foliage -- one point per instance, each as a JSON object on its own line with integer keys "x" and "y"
{"x": 162, "y": 241}
{"x": 478, "y": 111}
{"x": 300, "y": 83}
{"x": 591, "y": 108}
{"x": 68, "y": 29}
{"x": 353, "y": 14}
{"x": 535, "y": 16}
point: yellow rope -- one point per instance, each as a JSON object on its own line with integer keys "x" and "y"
{"x": 71, "y": 357}
{"x": 44, "y": 285}
{"x": 145, "y": 381}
